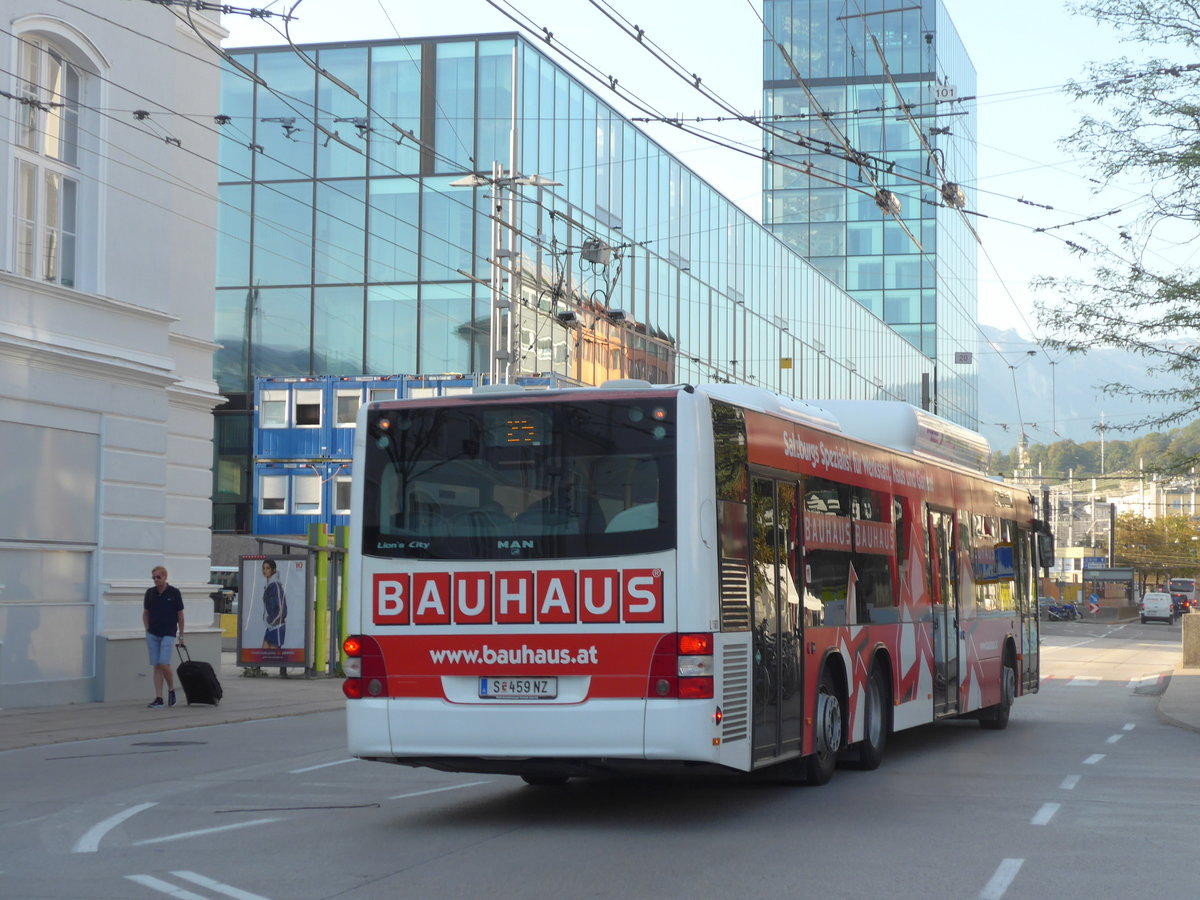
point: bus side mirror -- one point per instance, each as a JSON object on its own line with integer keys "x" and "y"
{"x": 1045, "y": 544}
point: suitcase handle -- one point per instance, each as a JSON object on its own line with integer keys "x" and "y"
{"x": 181, "y": 648}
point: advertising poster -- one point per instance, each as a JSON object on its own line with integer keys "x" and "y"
{"x": 273, "y": 611}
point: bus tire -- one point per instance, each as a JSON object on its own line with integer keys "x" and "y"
{"x": 995, "y": 718}
{"x": 877, "y": 724}
{"x": 827, "y": 733}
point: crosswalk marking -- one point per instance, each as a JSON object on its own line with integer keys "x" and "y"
{"x": 164, "y": 887}
{"x": 212, "y": 885}
{"x": 180, "y": 893}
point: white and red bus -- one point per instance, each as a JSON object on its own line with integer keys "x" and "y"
{"x": 638, "y": 578}
{"x": 1183, "y": 594}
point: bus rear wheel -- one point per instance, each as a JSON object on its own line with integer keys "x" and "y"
{"x": 876, "y": 723}
{"x": 827, "y": 733}
{"x": 995, "y": 718}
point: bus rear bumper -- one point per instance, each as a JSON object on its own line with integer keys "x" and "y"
{"x": 518, "y": 737}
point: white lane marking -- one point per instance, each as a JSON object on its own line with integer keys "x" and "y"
{"x": 1093, "y": 759}
{"x": 1005, "y": 873}
{"x": 1113, "y": 738}
{"x": 227, "y": 889}
{"x": 1129, "y": 726}
{"x": 339, "y": 762}
{"x": 1080, "y": 681}
{"x": 164, "y": 887}
{"x": 1068, "y": 783}
{"x": 1045, "y": 814}
{"x": 188, "y": 834}
{"x": 453, "y": 787}
{"x": 90, "y": 842}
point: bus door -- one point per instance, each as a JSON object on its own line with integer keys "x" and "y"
{"x": 775, "y": 609}
{"x": 943, "y": 584}
{"x": 1025, "y": 578}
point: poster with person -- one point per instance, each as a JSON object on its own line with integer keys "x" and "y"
{"x": 273, "y": 611}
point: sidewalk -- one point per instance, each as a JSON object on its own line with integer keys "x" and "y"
{"x": 1180, "y": 703}
{"x": 265, "y": 698}
{"x": 245, "y": 699}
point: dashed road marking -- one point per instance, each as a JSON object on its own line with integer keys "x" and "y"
{"x": 187, "y": 834}
{"x": 1045, "y": 814}
{"x": 1005, "y": 873}
{"x": 1129, "y": 726}
{"x": 338, "y": 762}
{"x": 1093, "y": 759}
{"x": 453, "y": 787}
{"x": 1068, "y": 783}
{"x": 1113, "y": 738}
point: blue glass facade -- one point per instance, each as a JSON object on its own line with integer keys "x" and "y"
{"x": 349, "y": 245}
{"x": 872, "y": 103}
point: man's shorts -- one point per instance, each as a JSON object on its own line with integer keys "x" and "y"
{"x": 160, "y": 647}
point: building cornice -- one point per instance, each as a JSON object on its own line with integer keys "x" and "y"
{"x": 83, "y": 358}
{"x": 199, "y": 395}
{"x": 9, "y": 281}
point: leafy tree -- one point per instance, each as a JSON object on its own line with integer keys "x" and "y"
{"x": 1156, "y": 452}
{"x": 1157, "y": 549}
{"x": 1064, "y": 456}
{"x": 1146, "y": 130}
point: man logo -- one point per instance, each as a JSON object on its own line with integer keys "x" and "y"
{"x": 515, "y": 546}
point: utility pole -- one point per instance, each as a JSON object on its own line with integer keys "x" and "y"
{"x": 504, "y": 281}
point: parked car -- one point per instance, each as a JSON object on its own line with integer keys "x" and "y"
{"x": 1157, "y": 605}
{"x": 1181, "y": 602}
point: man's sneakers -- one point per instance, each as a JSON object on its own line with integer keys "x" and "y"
{"x": 158, "y": 701}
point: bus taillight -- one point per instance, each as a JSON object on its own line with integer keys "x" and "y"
{"x": 365, "y": 673}
{"x": 695, "y": 666}
{"x": 682, "y": 667}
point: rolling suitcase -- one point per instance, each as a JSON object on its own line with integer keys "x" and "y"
{"x": 198, "y": 680}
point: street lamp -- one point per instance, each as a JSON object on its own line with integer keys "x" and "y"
{"x": 502, "y": 330}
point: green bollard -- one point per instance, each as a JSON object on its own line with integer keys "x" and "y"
{"x": 318, "y": 535}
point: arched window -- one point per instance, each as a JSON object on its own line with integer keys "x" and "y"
{"x": 49, "y": 169}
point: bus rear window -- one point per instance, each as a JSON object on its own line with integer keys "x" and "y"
{"x": 476, "y": 480}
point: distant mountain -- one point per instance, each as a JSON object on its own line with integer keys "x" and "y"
{"x": 1053, "y": 402}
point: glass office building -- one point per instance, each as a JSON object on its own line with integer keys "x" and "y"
{"x": 466, "y": 205}
{"x": 872, "y": 99}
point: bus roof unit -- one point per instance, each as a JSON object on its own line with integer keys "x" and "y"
{"x": 901, "y": 426}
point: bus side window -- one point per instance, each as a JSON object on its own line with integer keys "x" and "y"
{"x": 827, "y": 544}
{"x": 874, "y": 556}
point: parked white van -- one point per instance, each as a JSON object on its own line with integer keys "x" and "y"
{"x": 1157, "y": 605}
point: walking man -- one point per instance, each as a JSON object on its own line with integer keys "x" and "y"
{"x": 162, "y": 615}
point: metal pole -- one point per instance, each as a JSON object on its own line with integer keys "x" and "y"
{"x": 498, "y": 336}
{"x": 512, "y": 326}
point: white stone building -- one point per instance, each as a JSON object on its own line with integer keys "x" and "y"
{"x": 107, "y": 236}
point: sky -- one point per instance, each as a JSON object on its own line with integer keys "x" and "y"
{"x": 1023, "y": 52}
